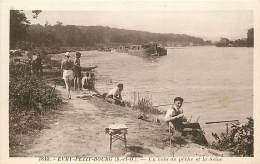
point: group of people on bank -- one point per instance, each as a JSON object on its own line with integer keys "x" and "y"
{"x": 72, "y": 72}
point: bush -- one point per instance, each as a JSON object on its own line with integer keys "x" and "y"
{"x": 27, "y": 91}
{"x": 240, "y": 140}
{"x": 29, "y": 97}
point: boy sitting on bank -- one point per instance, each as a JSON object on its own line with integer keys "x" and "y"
{"x": 114, "y": 95}
{"x": 85, "y": 80}
{"x": 88, "y": 82}
{"x": 174, "y": 116}
{"x": 178, "y": 123}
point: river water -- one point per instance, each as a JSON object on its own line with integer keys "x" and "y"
{"x": 216, "y": 83}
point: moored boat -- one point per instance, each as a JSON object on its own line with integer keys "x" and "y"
{"x": 89, "y": 68}
{"x": 150, "y": 49}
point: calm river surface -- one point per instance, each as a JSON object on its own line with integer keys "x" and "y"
{"x": 216, "y": 83}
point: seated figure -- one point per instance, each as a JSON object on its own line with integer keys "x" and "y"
{"x": 174, "y": 115}
{"x": 85, "y": 80}
{"x": 114, "y": 95}
{"x": 88, "y": 82}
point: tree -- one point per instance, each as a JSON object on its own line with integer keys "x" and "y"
{"x": 250, "y": 37}
{"x": 18, "y": 27}
{"x": 59, "y": 23}
{"x": 224, "y": 42}
{"x": 36, "y": 13}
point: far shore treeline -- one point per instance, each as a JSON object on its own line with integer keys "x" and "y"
{"x": 243, "y": 42}
{"x": 25, "y": 35}
{"x": 58, "y": 38}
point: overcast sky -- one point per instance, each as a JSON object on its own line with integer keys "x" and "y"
{"x": 206, "y": 24}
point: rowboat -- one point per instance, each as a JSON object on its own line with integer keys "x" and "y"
{"x": 89, "y": 68}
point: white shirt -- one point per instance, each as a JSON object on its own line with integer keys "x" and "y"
{"x": 171, "y": 112}
{"x": 114, "y": 92}
{"x": 85, "y": 78}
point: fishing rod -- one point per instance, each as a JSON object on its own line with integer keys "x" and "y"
{"x": 169, "y": 104}
{"x": 162, "y": 105}
{"x": 227, "y": 122}
{"x": 224, "y": 121}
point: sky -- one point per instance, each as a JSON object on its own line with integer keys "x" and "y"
{"x": 210, "y": 25}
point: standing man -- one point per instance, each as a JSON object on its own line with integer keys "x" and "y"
{"x": 77, "y": 71}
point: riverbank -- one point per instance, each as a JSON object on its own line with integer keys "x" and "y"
{"x": 78, "y": 128}
{"x": 140, "y": 137}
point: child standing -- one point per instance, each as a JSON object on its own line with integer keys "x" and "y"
{"x": 77, "y": 71}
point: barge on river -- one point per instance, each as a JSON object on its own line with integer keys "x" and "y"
{"x": 150, "y": 49}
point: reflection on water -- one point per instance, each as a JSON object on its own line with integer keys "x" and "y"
{"x": 216, "y": 83}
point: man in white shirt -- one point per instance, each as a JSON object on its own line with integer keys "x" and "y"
{"x": 115, "y": 95}
{"x": 174, "y": 116}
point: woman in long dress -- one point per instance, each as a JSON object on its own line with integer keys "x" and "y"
{"x": 67, "y": 68}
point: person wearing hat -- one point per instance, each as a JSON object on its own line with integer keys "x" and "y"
{"x": 77, "y": 71}
{"x": 67, "y": 68}
{"x": 114, "y": 95}
{"x": 174, "y": 115}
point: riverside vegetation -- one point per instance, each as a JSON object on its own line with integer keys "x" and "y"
{"x": 240, "y": 140}
{"x": 30, "y": 98}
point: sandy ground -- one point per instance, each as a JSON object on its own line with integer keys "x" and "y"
{"x": 78, "y": 129}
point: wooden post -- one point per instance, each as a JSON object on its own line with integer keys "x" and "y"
{"x": 190, "y": 118}
{"x": 170, "y": 135}
{"x": 197, "y": 119}
{"x": 110, "y": 142}
{"x": 227, "y": 128}
{"x": 30, "y": 99}
{"x": 151, "y": 98}
{"x": 134, "y": 98}
{"x": 125, "y": 141}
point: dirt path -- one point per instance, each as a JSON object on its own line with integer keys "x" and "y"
{"x": 78, "y": 129}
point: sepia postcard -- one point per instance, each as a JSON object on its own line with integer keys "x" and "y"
{"x": 129, "y": 81}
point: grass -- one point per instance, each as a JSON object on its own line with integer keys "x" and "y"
{"x": 145, "y": 105}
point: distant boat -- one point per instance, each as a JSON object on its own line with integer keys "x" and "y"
{"x": 150, "y": 49}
